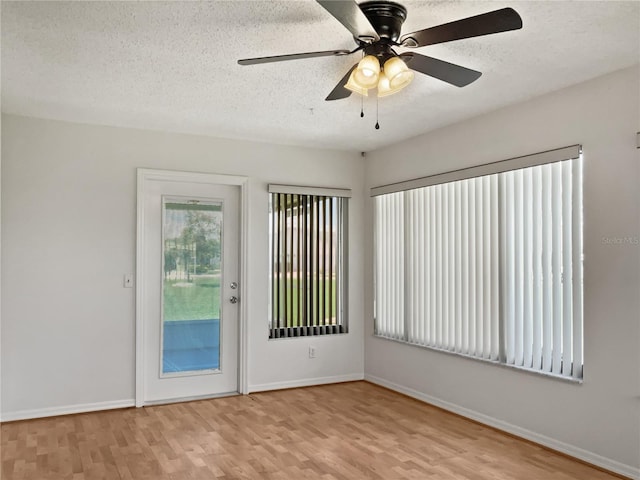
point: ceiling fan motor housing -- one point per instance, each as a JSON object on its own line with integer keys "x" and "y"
{"x": 385, "y": 17}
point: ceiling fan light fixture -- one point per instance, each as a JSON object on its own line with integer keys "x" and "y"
{"x": 367, "y": 73}
{"x": 354, "y": 86}
{"x": 398, "y": 73}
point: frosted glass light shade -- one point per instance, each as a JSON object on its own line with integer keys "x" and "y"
{"x": 366, "y": 75}
{"x": 354, "y": 86}
{"x": 397, "y": 72}
{"x": 385, "y": 89}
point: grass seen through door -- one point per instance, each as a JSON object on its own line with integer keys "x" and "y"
{"x": 196, "y": 299}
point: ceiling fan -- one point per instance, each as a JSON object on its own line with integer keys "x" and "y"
{"x": 376, "y": 25}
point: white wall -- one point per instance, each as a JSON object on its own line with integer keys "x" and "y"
{"x": 600, "y": 419}
{"x": 68, "y": 236}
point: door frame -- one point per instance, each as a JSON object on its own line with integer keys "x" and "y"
{"x": 146, "y": 175}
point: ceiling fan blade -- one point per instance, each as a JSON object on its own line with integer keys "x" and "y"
{"x": 348, "y": 13}
{"x": 497, "y": 21}
{"x": 340, "y": 92}
{"x": 445, "y": 71}
{"x": 293, "y": 56}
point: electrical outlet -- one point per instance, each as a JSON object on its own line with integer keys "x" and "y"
{"x": 312, "y": 352}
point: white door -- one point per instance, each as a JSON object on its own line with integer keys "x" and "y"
{"x": 188, "y": 240}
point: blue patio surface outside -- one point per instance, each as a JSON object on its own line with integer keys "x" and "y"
{"x": 191, "y": 345}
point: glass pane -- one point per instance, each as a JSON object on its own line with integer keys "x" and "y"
{"x": 306, "y": 260}
{"x": 191, "y": 286}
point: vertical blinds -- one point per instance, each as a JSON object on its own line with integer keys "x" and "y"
{"x": 307, "y": 280}
{"x": 489, "y": 267}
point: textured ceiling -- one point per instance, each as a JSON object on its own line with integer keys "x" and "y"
{"x": 172, "y": 66}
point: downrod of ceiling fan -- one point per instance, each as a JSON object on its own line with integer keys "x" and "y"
{"x": 382, "y": 49}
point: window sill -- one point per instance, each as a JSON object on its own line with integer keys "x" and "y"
{"x": 553, "y": 376}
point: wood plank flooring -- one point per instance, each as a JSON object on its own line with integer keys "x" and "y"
{"x": 344, "y": 431}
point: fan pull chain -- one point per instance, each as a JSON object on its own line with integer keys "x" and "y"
{"x": 377, "y": 124}
{"x": 362, "y": 98}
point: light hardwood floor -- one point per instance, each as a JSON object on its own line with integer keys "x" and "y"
{"x": 343, "y": 431}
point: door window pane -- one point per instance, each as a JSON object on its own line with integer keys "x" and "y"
{"x": 191, "y": 286}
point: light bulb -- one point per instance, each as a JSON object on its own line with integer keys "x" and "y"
{"x": 383, "y": 86}
{"x": 385, "y": 89}
{"x": 355, "y": 86}
{"x": 398, "y": 73}
{"x": 366, "y": 75}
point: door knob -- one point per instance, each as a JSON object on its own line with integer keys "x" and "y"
{"x": 234, "y": 300}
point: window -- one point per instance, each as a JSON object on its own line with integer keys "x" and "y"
{"x": 486, "y": 262}
{"x": 307, "y": 261}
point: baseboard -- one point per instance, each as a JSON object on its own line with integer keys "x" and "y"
{"x": 195, "y": 398}
{"x": 307, "y": 382}
{"x": 579, "y": 453}
{"x": 66, "y": 410}
{"x": 93, "y": 407}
